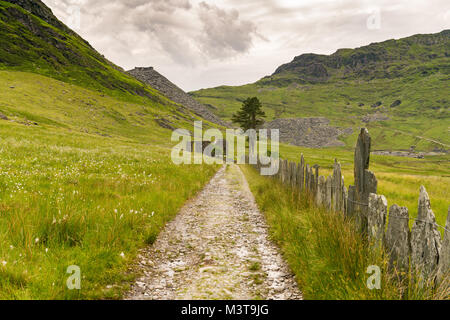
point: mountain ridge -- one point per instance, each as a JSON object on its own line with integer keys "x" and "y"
{"x": 366, "y": 62}
{"x": 34, "y": 40}
{"x": 396, "y": 88}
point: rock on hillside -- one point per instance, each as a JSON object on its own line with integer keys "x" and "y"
{"x": 421, "y": 54}
{"x": 153, "y": 78}
{"x": 309, "y": 132}
{"x": 39, "y": 9}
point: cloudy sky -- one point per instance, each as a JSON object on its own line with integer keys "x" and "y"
{"x": 206, "y": 43}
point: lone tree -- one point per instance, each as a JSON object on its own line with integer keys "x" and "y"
{"x": 250, "y": 116}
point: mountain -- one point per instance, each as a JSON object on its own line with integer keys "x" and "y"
{"x": 36, "y": 46}
{"x": 422, "y": 55}
{"x": 396, "y": 88}
{"x": 32, "y": 39}
{"x": 153, "y": 78}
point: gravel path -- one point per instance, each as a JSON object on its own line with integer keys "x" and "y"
{"x": 216, "y": 248}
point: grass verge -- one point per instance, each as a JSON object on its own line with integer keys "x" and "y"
{"x": 324, "y": 250}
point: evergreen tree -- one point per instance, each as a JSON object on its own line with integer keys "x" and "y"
{"x": 250, "y": 116}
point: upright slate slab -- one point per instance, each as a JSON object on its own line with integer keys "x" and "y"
{"x": 293, "y": 174}
{"x": 362, "y": 159}
{"x": 444, "y": 257}
{"x": 284, "y": 171}
{"x": 365, "y": 181}
{"x": 321, "y": 191}
{"x": 344, "y": 198}
{"x": 312, "y": 182}
{"x": 351, "y": 198}
{"x": 281, "y": 177}
{"x": 289, "y": 180}
{"x": 316, "y": 179}
{"x": 336, "y": 191}
{"x": 397, "y": 238}
{"x": 301, "y": 177}
{"x": 307, "y": 180}
{"x": 376, "y": 219}
{"x": 288, "y": 173}
{"x": 425, "y": 240}
{"x": 328, "y": 193}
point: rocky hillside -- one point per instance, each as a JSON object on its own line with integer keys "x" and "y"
{"x": 309, "y": 132}
{"x": 32, "y": 39}
{"x": 397, "y": 88}
{"x": 153, "y": 78}
{"x": 420, "y": 54}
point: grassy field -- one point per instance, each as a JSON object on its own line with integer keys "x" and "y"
{"x": 399, "y": 179}
{"x": 408, "y": 124}
{"x": 325, "y": 251}
{"x": 85, "y": 180}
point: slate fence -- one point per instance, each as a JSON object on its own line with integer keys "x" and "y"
{"x": 420, "y": 250}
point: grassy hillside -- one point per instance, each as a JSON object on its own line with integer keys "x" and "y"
{"x": 86, "y": 177}
{"x": 352, "y": 84}
{"x": 83, "y": 178}
{"x": 42, "y": 44}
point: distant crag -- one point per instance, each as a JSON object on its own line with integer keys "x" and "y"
{"x": 309, "y": 132}
{"x": 153, "y": 78}
{"x": 39, "y": 9}
{"x": 418, "y": 55}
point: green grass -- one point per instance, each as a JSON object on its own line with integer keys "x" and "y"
{"x": 324, "y": 250}
{"x": 399, "y": 179}
{"x": 92, "y": 180}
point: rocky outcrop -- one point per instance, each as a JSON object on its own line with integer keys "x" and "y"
{"x": 376, "y": 117}
{"x": 39, "y": 9}
{"x": 153, "y": 78}
{"x": 388, "y": 59}
{"x": 309, "y": 132}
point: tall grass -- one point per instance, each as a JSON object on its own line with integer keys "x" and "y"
{"x": 84, "y": 206}
{"x": 325, "y": 250}
{"x": 89, "y": 185}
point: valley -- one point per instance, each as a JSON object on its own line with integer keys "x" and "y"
{"x": 88, "y": 181}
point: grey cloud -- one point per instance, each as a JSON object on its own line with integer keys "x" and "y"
{"x": 225, "y": 33}
{"x": 189, "y": 34}
{"x": 206, "y": 42}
